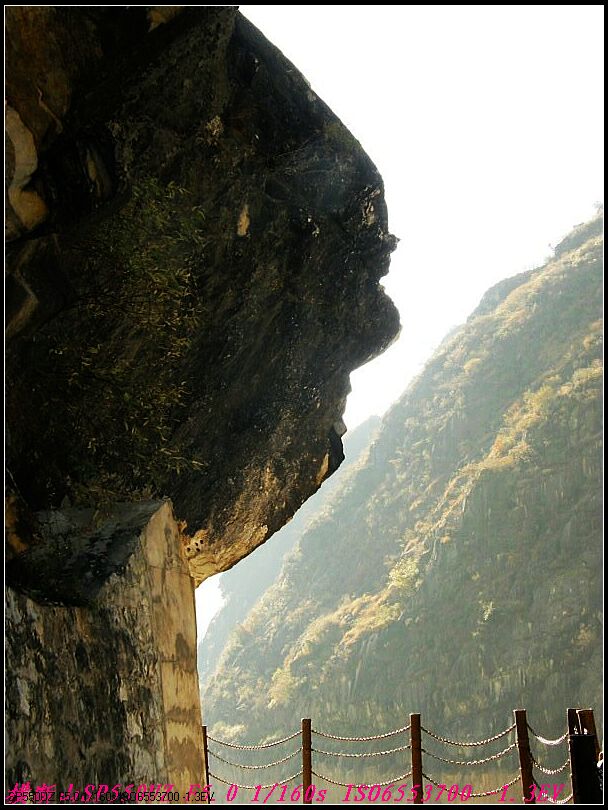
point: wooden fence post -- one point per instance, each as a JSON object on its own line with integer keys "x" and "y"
{"x": 525, "y": 757}
{"x": 416, "y": 743}
{"x": 573, "y": 723}
{"x": 573, "y": 727}
{"x": 206, "y": 763}
{"x": 306, "y": 759}
{"x": 583, "y": 760}
{"x": 586, "y": 722}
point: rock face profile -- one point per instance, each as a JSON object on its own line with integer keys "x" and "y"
{"x": 195, "y": 244}
{"x": 185, "y": 315}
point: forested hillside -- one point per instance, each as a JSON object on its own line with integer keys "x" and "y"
{"x": 245, "y": 583}
{"x": 457, "y": 572}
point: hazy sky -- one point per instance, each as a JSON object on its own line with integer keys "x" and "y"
{"x": 487, "y": 126}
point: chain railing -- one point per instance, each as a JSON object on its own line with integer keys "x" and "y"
{"x": 542, "y": 796}
{"x": 566, "y": 765}
{"x": 467, "y": 762}
{"x": 255, "y": 787}
{"x": 476, "y": 743}
{"x": 581, "y": 738}
{"x": 545, "y": 741}
{"x": 255, "y": 767}
{"x": 347, "y": 784}
{"x": 494, "y": 791}
{"x": 254, "y": 747}
{"x": 362, "y": 739}
{"x": 550, "y": 771}
{"x": 363, "y": 753}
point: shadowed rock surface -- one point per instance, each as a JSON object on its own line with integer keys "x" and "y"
{"x": 78, "y": 550}
{"x": 108, "y": 693}
{"x": 185, "y": 318}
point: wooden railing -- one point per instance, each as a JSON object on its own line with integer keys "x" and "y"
{"x": 581, "y": 779}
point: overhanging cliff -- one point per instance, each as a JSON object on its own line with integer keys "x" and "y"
{"x": 195, "y": 248}
{"x": 186, "y": 314}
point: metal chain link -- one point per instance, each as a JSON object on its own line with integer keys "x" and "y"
{"x": 431, "y": 780}
{"x": 561, "y": 801}
{"x": 496, "y": 790}
{"x": 253, "y": 767}
{"x": 478, "y": 795}
{"x": 356, "y": 756}
{"x": 465, "y": 744}
{"x": 253, "y": 787}
{"x": 545, "y": 741}
{"x": 472, "y": 761}
{"x": 549, "y": 799}
{"x": 361, "y": 739}
{"x": 327, "y": 779}
{"x": 390, "y": 781}
{"x": 253, "y": 747}
{"x": 550, "y": 771}
{"x": 437, "y": 737}
{"x": 350, "y": 784}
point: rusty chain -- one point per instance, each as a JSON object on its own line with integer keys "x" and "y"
{"x": 361, "y": 739}
{"x": 253, "y": 787}
{"x": 545, "y": 741}
{"x": 550, "y": 771}
{"x": 253, "y": 747}
{"x": 390, "y": 781}
{"x": 471, "y": 761}
{"x": 477, "y": 795}
{"x": 350, "y": 784}
{"x": 327, "y": 779}
{"x": 253, "y": 767}
{"x": 468, "y": 744}
{"x": 365, "y": 754}
{"x": 445, "y": 740}
{"x": 496, "y": 790}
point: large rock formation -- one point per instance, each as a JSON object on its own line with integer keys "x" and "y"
{"x": 203, "y": 277}
{"x": 195, "y": 246}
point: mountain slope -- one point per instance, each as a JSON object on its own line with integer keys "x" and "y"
{"x": 457, "y": 573}
{"x": 246, "y": 582}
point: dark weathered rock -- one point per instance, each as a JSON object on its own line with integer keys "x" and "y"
{"x": 78, "y": 551}
{"x": 195, "y": 244}
{"x": 108, "y": 693}
{"x": 186, "y": 312}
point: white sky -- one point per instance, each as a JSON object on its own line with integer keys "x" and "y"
{"x": 486, "y": 124}
{"x": 208, "y": 600}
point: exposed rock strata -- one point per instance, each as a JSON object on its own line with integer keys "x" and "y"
{"x": 108, "y": 693}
